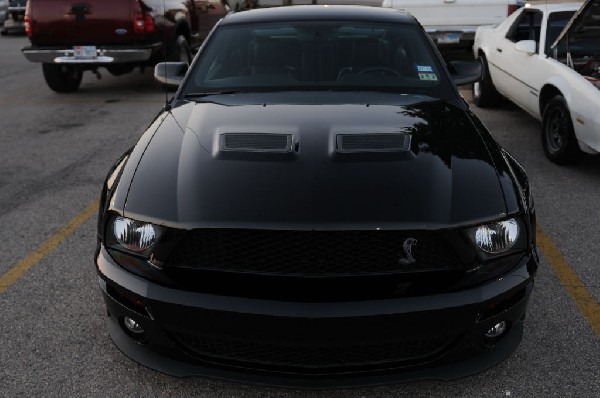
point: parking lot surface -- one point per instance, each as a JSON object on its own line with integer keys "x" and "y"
{"x": 55, "y": 151}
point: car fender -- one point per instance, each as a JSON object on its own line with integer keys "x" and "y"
{"x": 581, "y": 97}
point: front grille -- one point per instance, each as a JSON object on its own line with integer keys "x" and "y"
{"x": 310, "y": 357}
{"x": 313, "y": 253}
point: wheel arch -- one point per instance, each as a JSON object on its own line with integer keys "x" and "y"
{"x": 550, "y": 89}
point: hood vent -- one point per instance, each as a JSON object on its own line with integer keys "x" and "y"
{"x": 377, "y": 142}
{"x": 256, "y": 142}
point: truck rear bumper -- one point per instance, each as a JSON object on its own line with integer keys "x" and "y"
{"x": 105, "y": 54}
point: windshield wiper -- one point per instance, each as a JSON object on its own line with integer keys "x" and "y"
{"x": 209, "y": 93}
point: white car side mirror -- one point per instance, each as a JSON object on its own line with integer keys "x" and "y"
{"x": 526, "y": 46}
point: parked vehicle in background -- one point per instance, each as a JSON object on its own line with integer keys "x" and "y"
{"x": 276, "y": 3}
{"x": 13, "y": 17}
{"x": 3, "y": 8}
{"x": 452, "y": 23}
{"x": 70, "y": 37}
{"x": 242, "y": 5}
{"x": 546, "y": 59}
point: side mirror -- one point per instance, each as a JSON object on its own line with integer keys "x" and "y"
{"x": 170, "y": 73}
{"x": 464, "y": 72}
{"x": 526, "y": 46}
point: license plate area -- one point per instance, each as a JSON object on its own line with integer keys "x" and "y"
{"x": 448, "y": 38}
{"x": 85, "y": 52}
{"x": 83, "y": 55}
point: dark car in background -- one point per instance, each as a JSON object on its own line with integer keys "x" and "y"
{"x": 12, "y": 14}
{"x": 317, "y": 206}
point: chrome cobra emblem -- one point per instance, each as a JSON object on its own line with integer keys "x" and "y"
{"x": 408, "y": 244}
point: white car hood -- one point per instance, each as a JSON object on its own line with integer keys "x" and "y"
{"x": 585, "y": 24}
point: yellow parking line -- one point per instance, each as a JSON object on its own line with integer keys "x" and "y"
{"x": 47, "y": 247}
{"x": 569, "y": 279}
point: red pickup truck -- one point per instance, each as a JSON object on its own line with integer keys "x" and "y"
{"x": 72, "y": 36}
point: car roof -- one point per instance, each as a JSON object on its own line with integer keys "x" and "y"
{"x": 320, "y": 13}
{"x": 554, "y": 7}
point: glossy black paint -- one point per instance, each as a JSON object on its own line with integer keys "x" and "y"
{"x": 451, "y": 176}
{"x": 447, "y": 178}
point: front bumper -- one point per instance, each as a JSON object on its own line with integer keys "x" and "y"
{"x": 251, "y": 340}
{"x": 105, "y": 54}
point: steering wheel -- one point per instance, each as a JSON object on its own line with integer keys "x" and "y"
{"x": 383, "y": 69}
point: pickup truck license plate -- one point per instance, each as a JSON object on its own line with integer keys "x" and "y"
{"x": 448, "y": 38}
{"x": 84, "y": 52}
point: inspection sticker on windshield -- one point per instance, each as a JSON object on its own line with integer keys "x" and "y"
{"x": 424, "y": 68}
{"x": 428, "y": 76}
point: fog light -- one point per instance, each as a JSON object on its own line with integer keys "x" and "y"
{"x": 496, "y": 330}
{"x": 132, "y": 325}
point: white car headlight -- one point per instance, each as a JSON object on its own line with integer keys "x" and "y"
{"x": 497, "y": 237}
{"x": 135, "y": 236}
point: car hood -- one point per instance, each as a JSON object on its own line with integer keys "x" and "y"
{"x": 584, "y": 25}
{"x": 185, "y": 178}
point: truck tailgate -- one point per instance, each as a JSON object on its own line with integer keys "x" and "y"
{"x": 455, "y": 12}
{"x": 81, "y": 22}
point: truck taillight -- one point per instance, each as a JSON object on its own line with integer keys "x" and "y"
{"x": 512, "y": 8}
{"x": 149, "y": 23}
{"x": 138, "y": 23}
{"x": 27, "y": 23}
{"x": 143, "y": 23}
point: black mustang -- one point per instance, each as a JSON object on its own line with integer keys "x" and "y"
{"x": 317, "y": 206}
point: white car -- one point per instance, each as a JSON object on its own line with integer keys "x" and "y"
{"x": 546, "y": 59}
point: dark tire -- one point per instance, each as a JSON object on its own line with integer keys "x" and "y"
{"x": 180, "y": 51}
{"x": 485, "y": 94}
{"x": 558, "y": 136}
{"x": 62, "y": 78}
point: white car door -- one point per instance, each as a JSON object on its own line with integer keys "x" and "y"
{"x": 517, "y": 73}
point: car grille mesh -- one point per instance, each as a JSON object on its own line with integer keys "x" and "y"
{"x": 307, "y": 253}
{"x": 314, "y": 357}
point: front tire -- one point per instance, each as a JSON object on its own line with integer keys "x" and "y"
{"x": 485, "y": 94}
{"x": 62, "y": 78}
{"x": 558, "y": 136}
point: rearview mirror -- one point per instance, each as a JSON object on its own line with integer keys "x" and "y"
{"x": 170, "y": 73}
{"x": 464, "y": 72}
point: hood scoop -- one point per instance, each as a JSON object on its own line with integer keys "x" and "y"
{"x": 373, "y": 142}
{"x": 256, "y": 142}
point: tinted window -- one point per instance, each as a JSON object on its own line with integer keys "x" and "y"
{"x": 319, "y": 55}
{"x": 526, "y": 27}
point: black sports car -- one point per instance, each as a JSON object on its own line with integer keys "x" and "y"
{"x": 317, "y": 206}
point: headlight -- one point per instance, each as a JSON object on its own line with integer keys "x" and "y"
{"x": 497, "y": 237}
{"x": 135, "y": 236}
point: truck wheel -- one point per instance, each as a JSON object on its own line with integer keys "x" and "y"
{"x": 485, "y": 94}
{"x": 180, "y": 51}
{"x": 558, "y": 136}
{"x": 62, "y": 78}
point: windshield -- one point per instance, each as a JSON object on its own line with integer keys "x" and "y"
{"x": 556, "y": 23}
{"x": 332, "y": 55}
